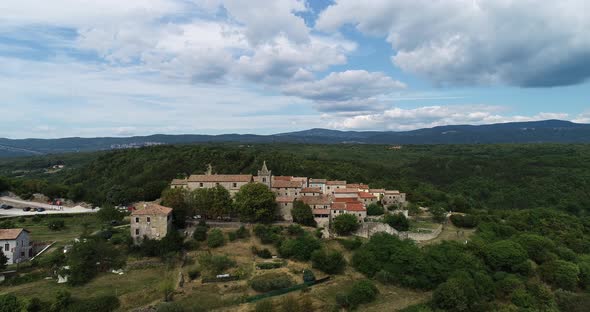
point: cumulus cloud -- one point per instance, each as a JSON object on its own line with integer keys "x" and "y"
{"x": 351, "y": 90}
{"x": 401, "y": 119}
{"x": 527, "y": 43}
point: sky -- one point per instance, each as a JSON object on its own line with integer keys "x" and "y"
{"x": 137, "y": 67}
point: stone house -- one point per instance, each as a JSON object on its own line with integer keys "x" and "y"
{"x": 393, "y": 198}
{"x": 367, "y": 198}
{"x": 284, "y": 207}
{"x": 311, "y": 191}
{"x": 16, "y": 245}
{"x": 317, "y": 202}
{"x": 231, "y": 182}
{"x": 318, "y": 183}
{"x": 346, "y": 193}
{"x": 379, "y": 193}
{"x": 331, "y": 186}
{"x": 355, "y": 208}
{"x": 359, "y": 186}
{"x": 150, "y": 220}
{"x": 286, "y": 188}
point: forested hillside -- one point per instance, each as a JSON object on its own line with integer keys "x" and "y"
{"x": 454, "y": 176}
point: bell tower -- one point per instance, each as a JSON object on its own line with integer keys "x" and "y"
{"x": 265, "y": 175}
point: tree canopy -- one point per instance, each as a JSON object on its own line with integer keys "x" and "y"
{"x": 255, "y": 202}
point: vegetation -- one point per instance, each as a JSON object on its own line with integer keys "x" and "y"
{"x": 464, "y": 221}
{"x": 271, "y": 281}
{"x": 397, "y": 221}
{"x": 255, "y": 202}
{"x": 215, "y": 239}
{"x": 345, "y": 224}
{"x": 375, "y": 210}
{"x": 328, "y": 261}
{"x": 362, "y": 291}
{"x": 302, "y": 214}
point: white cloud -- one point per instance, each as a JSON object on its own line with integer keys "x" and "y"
{"x": 400, "y": 119}
{"x": 530, "y": 43}
{"x": 354, "y": 90}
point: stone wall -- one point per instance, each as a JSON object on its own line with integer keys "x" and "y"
{"x": 368, "y": 229}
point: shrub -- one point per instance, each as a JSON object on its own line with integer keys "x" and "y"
{"x": 268, "y": 234}
{"x": 271, "y": 281}
{"x": 21, "y": 220}
{"x": 375, "y": 210}
{"x": 464, "y": 221}
{"x": 9, "y": 303}
{"x": 300, "y": 247}
{"x": 345, "y": 224}
{"x": 363, "y": 291}
{"x": 397, "y": 221}
{"x": 264, "y": 306}
{"x": 330, "y": 262}
{"x": 242, "y": 232}
{"x": 308, "y": 276}
{"x": 169, "y": 307}
{"x": 302, "y": 214}
{"x": 232, "y": 236}
{"x": 200, "y": 233}
{"x": 36, "y": 219}
{"x": 194, "y": 273}
{"x": 217, "y": 264}
{"x": 215, "y": 239}
{"x": 295, "y": 230}
{"x": 98, "y": 304}
{"x": 351, "y": 244}
{"x": 262, "y": 253}
{"x": 561, "y": 274}
{"x": 269, "y": 265}
{"x": 505, "y": 255}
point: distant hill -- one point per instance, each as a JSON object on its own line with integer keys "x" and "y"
{"x": 547, "y": 131}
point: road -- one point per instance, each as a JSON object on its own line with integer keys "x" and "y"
{"x": 50, "y": 209}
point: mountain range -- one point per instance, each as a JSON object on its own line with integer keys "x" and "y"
{"x": 546, "y": 131}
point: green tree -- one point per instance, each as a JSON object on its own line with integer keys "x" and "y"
{"x": 255, "y": 202}
{"x": 299, "y": 248}
{"x": 215, "y": 239}
{"x": 3, "y": 261}
{"x": 87, "y": 258}
{"x": 397, "y": 221}
{"x": 345, "y": 224}
{"x": 200, "y": 233}
{"x": 302, "y": 213}
{"x": 505, "y": 255}
{"x": 375, "y": 210}
{"x": 540, "y": 249}
{"x": 109, "y": 213}
{"x": 439, "y": 214}
{"x": 176, "y": 198}
{"x": 561, "y": 274}
{"x": 330, "y": 262}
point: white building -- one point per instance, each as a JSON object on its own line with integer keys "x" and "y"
{"x": 15, "y": 245}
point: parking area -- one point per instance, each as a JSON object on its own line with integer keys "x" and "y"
{"x": 18, "y": 205}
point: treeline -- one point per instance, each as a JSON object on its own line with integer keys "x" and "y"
{"x": 529, "y": 260}
{"x": 457, "y": 178}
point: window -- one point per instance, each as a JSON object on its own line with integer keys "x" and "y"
{"x": 22, "y": 253}
{"x": 136, "y": 231}
{"x": 235, "y": 184}
{"x": 200, "y": 184}
{"x": 136, "y": 220}
{"x": 6, "y": 247}
{"x": 148, "y": 219}
{"x": 263, "y": 179}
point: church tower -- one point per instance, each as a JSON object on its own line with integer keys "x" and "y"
{"x": 265, "y": 175}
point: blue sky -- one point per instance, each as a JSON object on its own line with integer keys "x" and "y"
{"x": 137, "y": 67}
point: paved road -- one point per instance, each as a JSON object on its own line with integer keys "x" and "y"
{"x": 50, "y": 209}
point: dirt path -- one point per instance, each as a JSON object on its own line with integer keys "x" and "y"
{"x": 50, "y": 209}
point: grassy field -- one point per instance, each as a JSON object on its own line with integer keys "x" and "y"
{"x": 74, "y": 226}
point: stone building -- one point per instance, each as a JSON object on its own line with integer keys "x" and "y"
{"x": 367, "y": 198}
{"x": 318, "y": 183}
{"x": 286, "y": 188}
{"x": 285, "y": 206}
{"x": 393, "y": 198}
{"x": 150, "y": 220}
{"x": 350, "y": 207}
{"x": 311, "y": 191}
{"x": 331, "y": 186}
{"x": 15, "y": 245}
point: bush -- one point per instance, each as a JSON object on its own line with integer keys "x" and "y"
{"x": 232, "y": 236}
{"x": 217, "y": 264}
{"x": 308, "y": 276}
{"x": 194, "y": 273}
{"x": 302, "y": 214}
{"x": 464, "y": 221}
{"x": 561, "y": 274}
{"x": 215, "y": 239}
{"x": 345, "y": 224}
{"x": 262, "y": 253}
{"x": 330, "y": 262}
{"x": 295, "y": 230}
{"x": 269, "y": 265}
{"x": 397, "y": 221}
{"x": 169, "y": 307}
{"x": 363, "y": 291}
{"x": 375, "y": 210}
{"x": 9, "y": 303}
{"x": 505, "y": 256}
{"x": 36, "y": 219}
{"x": 98, "y": 304}
{"x": 299, "y": 248}
{"x": 200, "y": 233}
{"x": 351, "y": 244}
{"x": 268, "y": 234}
{"x": 242, "y": 232}
{"x": 264, "y": 306}
{"x": 271, "y": 281}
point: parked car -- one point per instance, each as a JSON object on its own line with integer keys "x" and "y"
{"x": 39, "y": 209}
{"x": 27, "y": 209}
{"x": 3, "y": 206}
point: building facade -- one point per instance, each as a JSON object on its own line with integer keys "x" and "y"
{"x": 16, "y": 245}
{"x": 150, "y": 221}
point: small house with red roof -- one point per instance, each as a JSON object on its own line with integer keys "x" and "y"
{"x": 15, "y": 245}
{"x": 151, "y": 221}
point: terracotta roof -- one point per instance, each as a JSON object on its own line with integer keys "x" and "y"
{"x": 321, "y": 211}
{"x": 300, "y": 179}
{"x": 316, "y": 200}
{"x": 358, "y": 186}
{"x": 335, "y": 182}
{"x": 346, "y": 190}
{"x": 317, "y": 181}
{"x": 355, "y": 207}
{"x": 366, "y": 195}
{"x": 285, "y": 199}
{"x": 151, "y": 209}
{"x": 8, "y": 234}
{"x": 179, "y": 181}
{"x": 282, "y": 178}
{"x": 391, "y": 192}
{"x": 220, "y": 178}
{"x": 338, "y": 206}
{"x": 376, "y": 190}
{"x": 311, "y": 190}
{"x": 346, "y": 200}
{"x": 286, "y": 184}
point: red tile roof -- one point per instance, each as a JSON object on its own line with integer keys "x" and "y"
{"x": 346, "y": 200}
{"x": 335, "y": 182}
{"x": 220, "y": 178}
{"x": 285, "y": 199}
{"x": 179, "y": 181}
{"x": 321, "y": 211}
{"x": 151, "y": 209}
{"x": 392, "y": 192}
{"x": 311, "y": 190}
{"x": 317, "y": 181}
{"x": 346, "y": 190}
{"x": 282, "y": 178}
{"x": 9, "y": 234}
{"x": 316, "y": 200}
{"x": 355, "y": 207}
{"x": 286, "y": 184}
{"x": 358, "y": 186}
{"x": 366, "y": 195}
{"x": 376, "y": 191}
